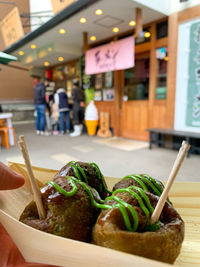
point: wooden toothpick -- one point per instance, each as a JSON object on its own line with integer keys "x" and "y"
{"x": 177, "y": 164}
{"x": 34, "y": 185}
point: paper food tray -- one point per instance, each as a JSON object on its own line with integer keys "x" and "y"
{"x": 38, "y": 246}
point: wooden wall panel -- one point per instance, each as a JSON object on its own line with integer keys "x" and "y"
{"x": 134, "y": 119}
{"x": 189, "y": 13}
{"x": 159, "y": 116}
{"x": 171, "y": 68}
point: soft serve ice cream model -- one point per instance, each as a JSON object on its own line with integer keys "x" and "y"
{"x": 91, "y": 118}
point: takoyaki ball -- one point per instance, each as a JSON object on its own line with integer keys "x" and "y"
{"x": 67, "y": 216}
{"x": 88, "y": 173}
{"x": 163, "y": 244}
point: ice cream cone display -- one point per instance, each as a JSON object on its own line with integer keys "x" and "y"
{"x": 91, "y": 126}
{"x": 91, "y": 118}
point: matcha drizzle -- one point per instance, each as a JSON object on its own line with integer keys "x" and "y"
{"x": 136, "y": 178}
{"x": 76, "y": 167}
{"x": 160, "y": 189}
{"x": 100, "y": 176}
{"x": 121, "y": 205}
{"x": 62, "y": 191}
{"x": 141, "y": 179}
{"x": 135, "y": 195}
{"x": 77, "y": 170}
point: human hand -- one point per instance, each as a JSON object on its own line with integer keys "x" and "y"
{"x": 9, "y": 253}
{"x": 82, "y": 104}
{"x": 9, "y": 179}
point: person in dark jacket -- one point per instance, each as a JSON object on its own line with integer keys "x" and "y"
{"x": 40, "y": 107}
{"x": 61, "y": 100}
{"x": 78, "y": 109}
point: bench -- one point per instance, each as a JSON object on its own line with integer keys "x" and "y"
{"x": 157, "y": 136}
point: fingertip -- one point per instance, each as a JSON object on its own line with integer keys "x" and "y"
{"x": 9, "y": 179}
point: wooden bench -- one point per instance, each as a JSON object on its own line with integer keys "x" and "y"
{"x": 157, "y": 136}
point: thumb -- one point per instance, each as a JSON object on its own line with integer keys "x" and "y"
{"x": 9, "y": 179}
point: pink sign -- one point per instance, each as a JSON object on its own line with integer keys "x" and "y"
{"x": 116, "y": 56}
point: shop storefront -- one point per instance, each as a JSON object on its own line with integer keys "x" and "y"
{"x": 135, "y": 98}
{"x": 139, "y": 97}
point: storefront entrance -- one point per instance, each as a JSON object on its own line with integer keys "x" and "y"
{"x": 134, "y": 102}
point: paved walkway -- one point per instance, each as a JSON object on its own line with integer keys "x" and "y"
{"x": 115, "y": 157}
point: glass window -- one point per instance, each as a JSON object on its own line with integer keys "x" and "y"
{"x": 137, "y": 80}
{"x": 161, "y": 83}
{"x": 162, "y": 29}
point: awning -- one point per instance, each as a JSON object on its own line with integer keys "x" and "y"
{"x": 5, "y": 58}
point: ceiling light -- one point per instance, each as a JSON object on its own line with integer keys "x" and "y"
{"x": 147, "y": 34}
{"x": 98, "y": 12}
{"x": 49, "y": 49}
{"x": 62, "y": 31}
{"x": 21, "y": 53}
{"x": 33, "y": 46}
{"x": 46, "y": 63}
{"x": 60, "y": 59}
{"x": 115, "y": 29}
{"x": 93, "y": 38}
{"x": 132, "y": 23}
{"x": 83, "y": 20}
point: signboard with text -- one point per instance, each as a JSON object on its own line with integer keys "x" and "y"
{"x": 114, "y": 56}
{"x": 58, "y": 5}
{"x": 11, "y": 27}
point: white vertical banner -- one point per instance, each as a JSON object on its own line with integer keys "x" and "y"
{"x": 187, "y": 86}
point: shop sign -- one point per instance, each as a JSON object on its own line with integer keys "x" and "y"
{"x": 58, "y": 5}
{"x": 115, "y": 56}
{"x": 11, "y": 27}
{"x": 193, "y": 86}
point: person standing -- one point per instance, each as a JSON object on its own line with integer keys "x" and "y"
{"x": 40, "y": 106}
{"x": 78, "y": 109}
{"x": 61, "y": 100}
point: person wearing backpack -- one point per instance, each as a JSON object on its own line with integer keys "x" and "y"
{"x": 61, "y": 100}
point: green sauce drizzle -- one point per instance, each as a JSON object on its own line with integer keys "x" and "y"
{"x": 136, "y": 178}
{"x": 120, "y": 204}
{"x": 62, "y": 191}
{"x": 78, "y": 170}
{"x": 148, "y": 180}
{"x": 100, "y": 176}
{"x": 135, "y": 195}
{"x": 154, "y": 182}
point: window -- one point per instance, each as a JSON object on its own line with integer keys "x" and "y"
{"x": 161, "y": 83}
{"x": 137, "y": 80}
{"x": 162, "y": 29}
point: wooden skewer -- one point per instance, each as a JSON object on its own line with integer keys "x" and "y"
{"x": 177, "y": 164}
{"x": 35, "y": 188}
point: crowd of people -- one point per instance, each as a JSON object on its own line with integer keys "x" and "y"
{"x": 53, "y": 110}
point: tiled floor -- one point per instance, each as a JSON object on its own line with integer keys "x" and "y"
{"x": 116, "y": 157}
